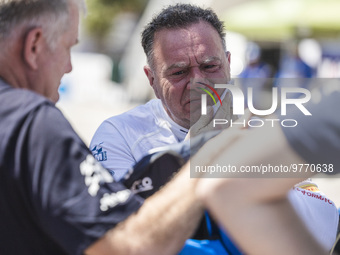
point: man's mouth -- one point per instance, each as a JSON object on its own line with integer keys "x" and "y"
{"x": 193, "y": 100}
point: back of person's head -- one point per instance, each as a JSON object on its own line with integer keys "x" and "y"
{"x": 19, "y": 16}
{"x": 179, "y": 16}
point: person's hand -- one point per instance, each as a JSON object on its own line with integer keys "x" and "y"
{"x": 211, "y": 150}
{"x": 206, "y": 122}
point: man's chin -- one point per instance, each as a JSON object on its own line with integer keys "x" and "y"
{"x": 54, "y": 98}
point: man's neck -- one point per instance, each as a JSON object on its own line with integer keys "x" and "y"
{"x": 180, "y": 123}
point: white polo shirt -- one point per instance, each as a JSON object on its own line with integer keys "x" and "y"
{"x": 121, "y": 141}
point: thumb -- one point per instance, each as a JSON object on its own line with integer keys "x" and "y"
{"x": 205, "y": 119}
{"x": 202, "y": 122}
{"x": 225, "y": 110}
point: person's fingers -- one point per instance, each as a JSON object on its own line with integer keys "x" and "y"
{"x": 215, "y": 146}
{"x": 225, "y": 110}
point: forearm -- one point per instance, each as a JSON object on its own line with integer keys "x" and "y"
{"x": 270, "y": 228}
{"x": 162, "y": 224}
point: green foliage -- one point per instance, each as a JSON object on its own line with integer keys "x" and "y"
{"x": 101, "y": 13}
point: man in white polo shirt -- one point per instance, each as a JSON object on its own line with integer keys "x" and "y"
{"x": 183, "y": 43}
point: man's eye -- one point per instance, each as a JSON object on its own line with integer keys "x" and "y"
{"x": 179, "y": 72}
{"x": 211, "y": 68}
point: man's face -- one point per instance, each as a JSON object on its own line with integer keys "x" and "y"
{"x": 55, "y": 62}
{"x": 183, "y": 55}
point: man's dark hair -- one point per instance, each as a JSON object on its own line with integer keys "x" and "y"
{"x": 179, "y": 16}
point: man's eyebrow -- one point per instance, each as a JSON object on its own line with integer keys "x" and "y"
{"x": 210, "y": 59}
{"x": 177, "y": 65}
{"x": 180, "y": 65}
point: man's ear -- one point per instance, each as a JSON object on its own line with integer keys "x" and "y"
{"x": 33, "y": 46}
{"x": 228, "y": 54}
{"x": 149, "y": 73}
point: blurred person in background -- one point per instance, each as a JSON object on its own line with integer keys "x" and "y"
{"x": 292, "y": 66}
{"x": 293, "y": 71}
{"x": 256, "y": 75}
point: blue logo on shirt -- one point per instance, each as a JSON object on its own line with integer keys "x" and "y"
{"x": 98, "y": 153}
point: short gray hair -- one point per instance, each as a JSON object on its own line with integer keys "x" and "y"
{"x": 179, "y": 16}
{"x": 51, "y": 15}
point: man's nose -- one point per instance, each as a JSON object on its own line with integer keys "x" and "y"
{"x": 196, "y": 76}
{"x": 197, "y": 73}
{"x": 69, "y": 67}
